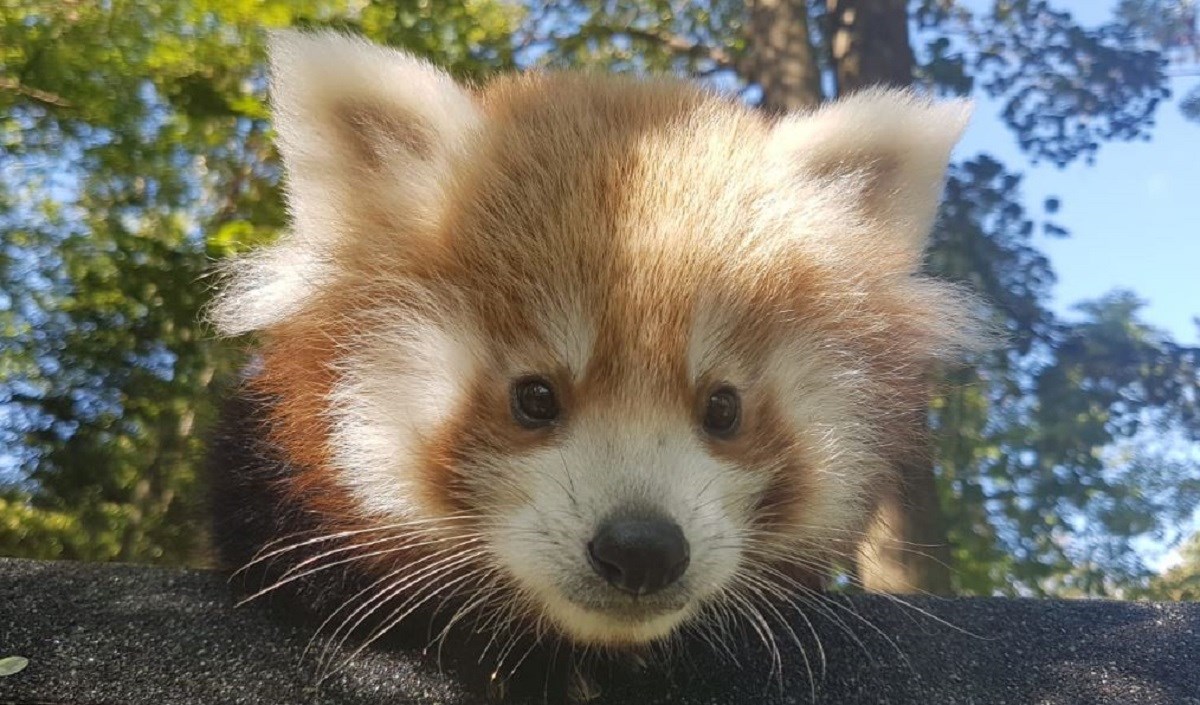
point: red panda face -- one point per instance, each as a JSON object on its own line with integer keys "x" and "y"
{"x": 657, "y": 352}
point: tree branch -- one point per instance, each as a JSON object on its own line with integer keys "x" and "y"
{"x": 672, "y": 42}
{"x": 40, "y": 96}
{"x": 679, "y": 45}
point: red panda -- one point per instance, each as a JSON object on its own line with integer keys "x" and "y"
{"x": 571, "y": 354}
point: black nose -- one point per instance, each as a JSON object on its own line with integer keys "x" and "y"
{"x": 639, "y": 555}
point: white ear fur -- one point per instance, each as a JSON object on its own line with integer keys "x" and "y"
{"x": 885, "y": 150}
{"x": 367, "y": 135}
{"x": 347, "y": 109}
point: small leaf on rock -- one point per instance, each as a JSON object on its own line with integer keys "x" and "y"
{"x": 12, "y": 665}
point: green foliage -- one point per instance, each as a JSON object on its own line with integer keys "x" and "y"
{"x": 1067, "y": 88}
{"x": 136, "y": 150}
{"x": 1181, "y": 582}
{"x": 1046, "y": 477}
{"x": 695, "y": 39}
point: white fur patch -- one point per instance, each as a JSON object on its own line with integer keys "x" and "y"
{"x": 403, "y": 386}
{"x": 821, "y": 392}
{"x": 268, "y": 286}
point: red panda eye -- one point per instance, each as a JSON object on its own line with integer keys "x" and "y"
{"x": 533, "y": 402}
{"x": 722, "y": 413}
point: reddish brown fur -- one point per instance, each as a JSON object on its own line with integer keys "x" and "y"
{"x": 584, "y": 129}
{"x": 602, "y": 232}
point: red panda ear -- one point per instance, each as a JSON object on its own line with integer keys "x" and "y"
{"x": 368, "y": 136}
{"x": 355, "y": 119}
{"x": 882, "y": 153}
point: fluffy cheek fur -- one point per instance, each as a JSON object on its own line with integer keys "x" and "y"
{"x": 394, "y": 396}
{"x": 822, "y": 396}
{"x": 421, "y": 433}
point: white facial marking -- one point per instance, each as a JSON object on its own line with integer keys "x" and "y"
{"x": 820, "y": 391}
{"x": 401, "y": 387}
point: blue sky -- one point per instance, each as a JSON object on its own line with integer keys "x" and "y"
{"x": 1133, "y": 215}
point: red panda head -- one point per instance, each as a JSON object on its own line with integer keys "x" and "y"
{"x": 654, "y": 348}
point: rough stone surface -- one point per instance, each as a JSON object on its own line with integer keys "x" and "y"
{"x": 122, "y": 635}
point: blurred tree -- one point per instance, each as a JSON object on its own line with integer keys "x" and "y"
{"x": 1173, "y": 26}
{"x": 135, "y": 150}
{"x": 1181, "y": 582}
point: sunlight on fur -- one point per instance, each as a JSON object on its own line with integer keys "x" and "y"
{"x": 581, "y": 357}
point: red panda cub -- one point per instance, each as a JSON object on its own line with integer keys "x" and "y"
{"x": 585, "y": 358}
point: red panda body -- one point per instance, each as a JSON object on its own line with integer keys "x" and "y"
{"x": 586, "y": 357}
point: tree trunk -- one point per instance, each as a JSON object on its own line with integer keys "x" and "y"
{"x": 869, "y": 43}
{"x": 781, "y": 60}
{"x": 906, "y": 548}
